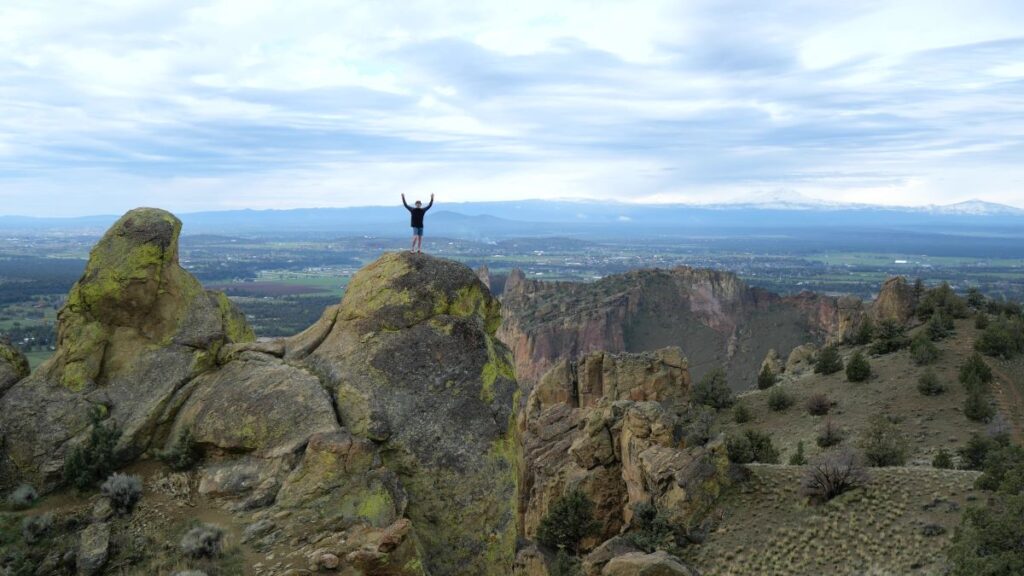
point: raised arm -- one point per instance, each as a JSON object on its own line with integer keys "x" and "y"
{"x": 404, "y": 203}
{"x": 431, "y": 203}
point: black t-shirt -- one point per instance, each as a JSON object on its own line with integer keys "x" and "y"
{"x": 417, "y": 213}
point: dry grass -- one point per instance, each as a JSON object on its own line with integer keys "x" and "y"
{"x": 767, "y": 527}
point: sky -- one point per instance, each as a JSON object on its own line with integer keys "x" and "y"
{"x": 228, "y": 104}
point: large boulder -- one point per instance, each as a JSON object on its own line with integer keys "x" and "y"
{"x": 896, "y": 301}
{"x": 13, "y": 366}
{"x": 413, "y": 362}
{"x": 608, "y": 425}
{"x": 136, "y": 329}
{"x": 640, "y": 564}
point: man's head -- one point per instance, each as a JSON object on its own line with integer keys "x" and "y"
{"x": 418, "y": 203}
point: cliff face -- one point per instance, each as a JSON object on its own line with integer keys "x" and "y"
{"x": 713, "y": 316}
{"x": 386, "y": 429}
{"x": 896, "y": 301}
{"x": 608, "y": 425}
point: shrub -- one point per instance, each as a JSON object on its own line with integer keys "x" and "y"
{"x": 35, "y": 528}
{"x": 184, "y": 454}
{"x": 943, "y": 459}
{"x": 981, "y": 321}
{"x": 858, "y": 369}
{"x": 975, "y": 299}
{"x": 698, "y": 424}
{"x": 928, "y": 384}
{"x": 751, "y": 446}
{"x": 203, "y": 541}
{"x": 830, "y": 435}
{"x": 565, "y": 565}
{"x": 93, "y": 461}
{"x": 941, "y": 299}
{"x": 1003, "y": 470}
{"x": 974, "y": 453}
{"x": 779, "y": 400}
{"x": 883, "y": 444}
{"x": 890, "y": 336}
{"x": 741, "y": 414}
{"x": 651, "y": 530}
{"x": 23, "y": 497}
{"x": 766, "y": 379}
{"x": 865, "y": 333}
{"x": 818, "y": 405}
{"x": 828, "y": 361}
{"x": 123, "y": 491}
{"x": 1003, "y": 338}
{"x": 990, "y": 540}
{"x": 923, "y": 350}
{"x": 833, "y": 474}
{"x": 977, "y": 406}
{"x": 939, "y": 327}
{"x": 713, "y": 390}
{"x": 570, "y": 519}
{"x": 975, "y": 371}
{"x": 798, "y": 458}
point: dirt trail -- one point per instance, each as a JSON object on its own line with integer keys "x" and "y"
{"x": 1009, "y": 399}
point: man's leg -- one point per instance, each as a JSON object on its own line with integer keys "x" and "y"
{"x": 413, "y": 247}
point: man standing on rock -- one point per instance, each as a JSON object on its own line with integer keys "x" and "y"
{"x": 417, "y": 221}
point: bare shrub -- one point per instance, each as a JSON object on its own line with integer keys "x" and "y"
{"x": 832, "y": 474}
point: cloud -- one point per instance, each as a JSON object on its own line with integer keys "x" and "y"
{"x": 261, "y": 103}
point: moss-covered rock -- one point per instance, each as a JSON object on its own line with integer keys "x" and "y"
{"x": 135, "y": 329}
{"x": 412, "y": 358}
{"x": 13, "y": 366}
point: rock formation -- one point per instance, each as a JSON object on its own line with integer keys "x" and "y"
{"x": 896, "y": 301}
{"x": 609, "y": 425}
{"x": 713, "y": 316}
{"x": 136, "y": 329}
{"x": 386, "y": 429}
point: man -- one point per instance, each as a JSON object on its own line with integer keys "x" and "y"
{"x": 417, "y": 221}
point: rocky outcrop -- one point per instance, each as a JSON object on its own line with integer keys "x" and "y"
{"x": 712, "y": 315}
{"x": 609, "y": 426}
{"x": 640, "y": 564}
{"x": 896, "y": 301}
{"x": 13, "y": 366}
{"x": 135, "y": 330}
{"x": 801, "y": 360}
{"x": 411, "y": 357}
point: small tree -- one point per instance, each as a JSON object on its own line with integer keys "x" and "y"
{"x": 833, "y": 474}
{"x": 741, "y": 414}
{"x": 883, "y": 444}
{"x": 939, "y": 326}
{"x": 977, "y": 449}
{"x": 570, "y": 520}
{"x": 830, "y": 435}
{"x": 890, "y": 336}
{"x": 184, "y": 454}
{"x": 858, "y": 369}
{"x": 779, "y": 400}
{"x": 981, "y": 321}
{"x": 977, "y": 406}
{"x": 713, "y": 390}
{"x": 818, "y": 405}
{"x": 828, "y": 361}
{"x": 766, "y": 379}
{"x": 798, "y": 458}
{"x": 928, "y": 384}
{"x": 975, "y": 371}
{"x": 865, "y": 333}
{"x": 943, "y": 459}
{"x": 751, "y": 446}
{"x": 990, "y": 540}
{"x": 923, "y": 350}
{"x": 94, "y": 460}
{"x": 650, "y": 529}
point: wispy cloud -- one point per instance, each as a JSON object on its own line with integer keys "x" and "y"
{"x": 258, "y": 103}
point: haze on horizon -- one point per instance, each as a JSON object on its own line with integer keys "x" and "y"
{"x": 225, "y": 104}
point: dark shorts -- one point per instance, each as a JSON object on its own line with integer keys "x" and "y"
{"x": 417, "y": 230}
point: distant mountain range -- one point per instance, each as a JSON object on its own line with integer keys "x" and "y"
{"x": 483, "y": 220}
